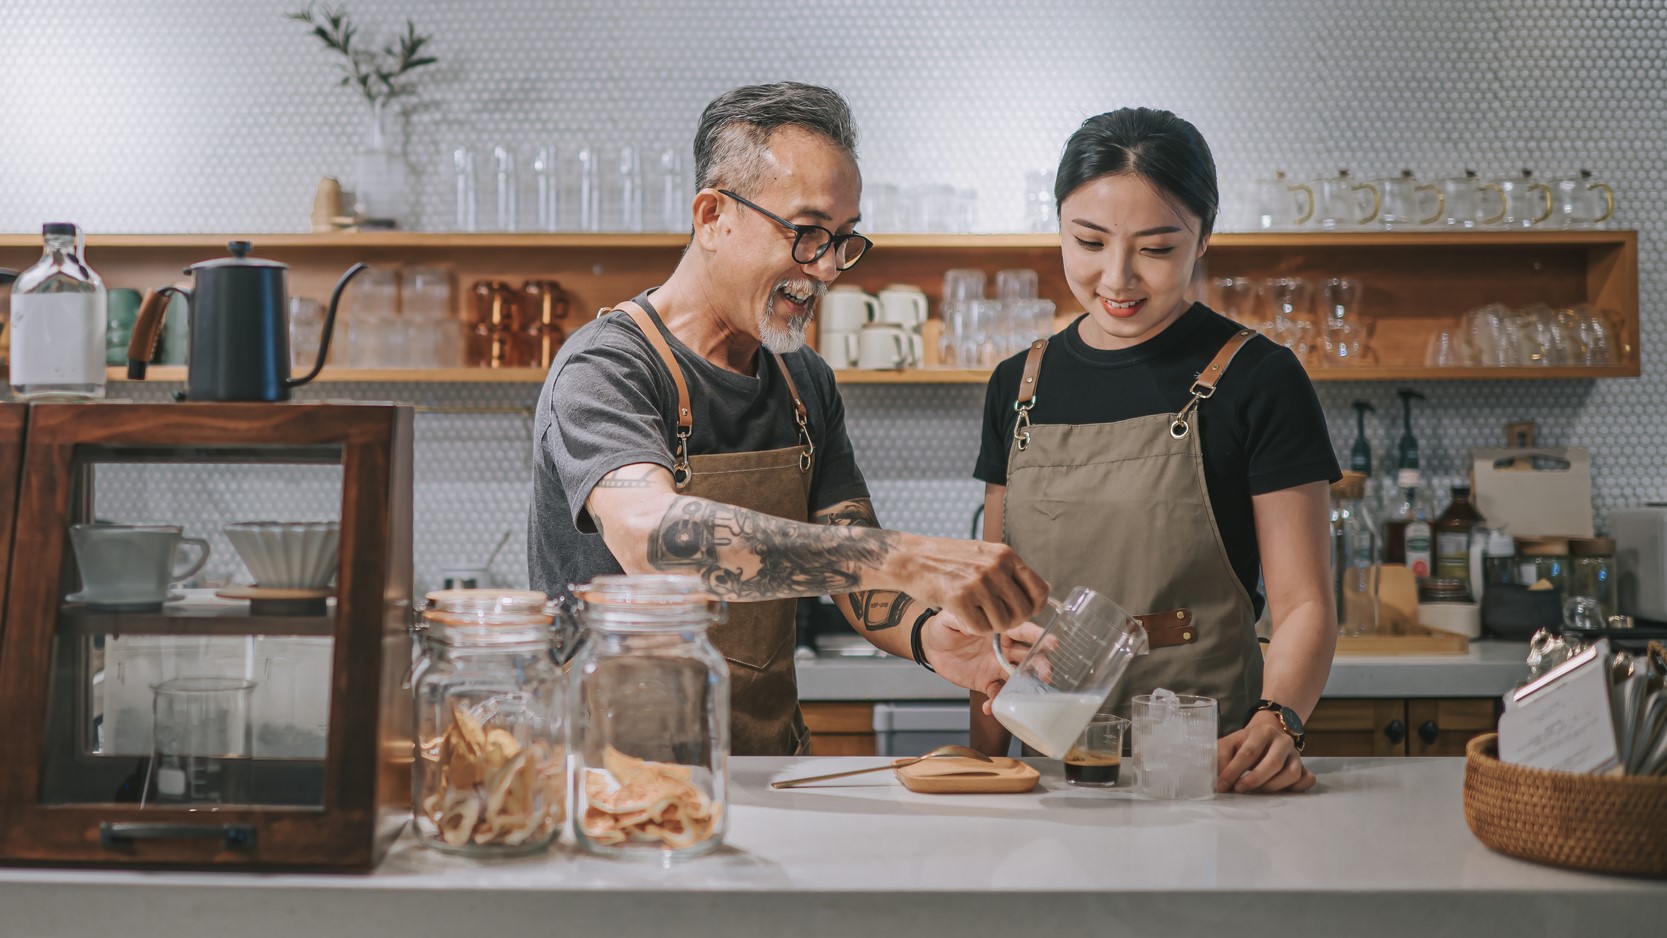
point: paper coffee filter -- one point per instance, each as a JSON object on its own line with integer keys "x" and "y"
{"x": 288, "y": 554}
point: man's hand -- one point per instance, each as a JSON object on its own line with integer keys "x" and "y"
{"x": 1261, "y": 758}
{"x": 984, "y": 585}
{"x": 964, "y": 657}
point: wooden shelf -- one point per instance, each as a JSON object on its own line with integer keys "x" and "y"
{"x": 367, "y": 375}
{"x": 429, "y": 240}
{"x": 1414, "y": 283}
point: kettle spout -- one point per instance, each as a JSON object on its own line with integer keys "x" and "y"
{"x": 329, "y": 326}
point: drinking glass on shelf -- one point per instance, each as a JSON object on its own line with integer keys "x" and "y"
{"x": 1280, "y": 203}
{"x": 426, "y": 314}
{"x": 1448, "y": 349}
{"x": 1340, "y": 299}
{"x": 1403, "y": 202}
{"x": 587, "y": 188}
{"x": 1347, "y": 343}
{"x": 506, "y": 216}
{"x": 674, "y": 193}
{"x": 373, "y": 327}
{"x": 1041, "y": 215}
{"x": 1528, "y": 201}
{"x": 306, "y": 331}
{"x": 547, "y": 188}
{"x": 466, "y": 215}
{"x": 961, "y": 288}
{"x": 1289, "y": 301}
{"x": 1596, "y": 337}
{"x": 1468, "y": 202}
{"x": 626, "y": 191}
{"x": 1235, "y": 298}
{"x": 1493, "y": 336}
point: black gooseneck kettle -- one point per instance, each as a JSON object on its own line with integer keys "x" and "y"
{"x": 239, "y": 329}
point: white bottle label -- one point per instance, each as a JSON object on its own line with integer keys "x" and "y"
{"x": 1407, "y": 478}
{"x": 1420, "y": 556}
{"x": 58, "y": 338}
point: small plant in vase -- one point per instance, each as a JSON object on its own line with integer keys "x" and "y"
{"x": 380, "y": 75}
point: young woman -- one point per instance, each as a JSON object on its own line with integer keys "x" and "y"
{"x": 1161, "y": 454}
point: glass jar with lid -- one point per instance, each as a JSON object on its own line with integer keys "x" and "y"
{"x": 649, "y": 698}
{"x": 1543, "y": 558}
{"x": 490, "y": 776}
{"x": 1591, "y": 571}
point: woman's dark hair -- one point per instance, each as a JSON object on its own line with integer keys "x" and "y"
{"x": 1155, "y": 145}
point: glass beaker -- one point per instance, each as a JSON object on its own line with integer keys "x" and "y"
{"x": 1055, "y": 691}
{"x": 202, "y": 754}
{"x": 1174, "y": 752}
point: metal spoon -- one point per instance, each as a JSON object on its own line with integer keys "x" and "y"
{"x": 960, "y": 752}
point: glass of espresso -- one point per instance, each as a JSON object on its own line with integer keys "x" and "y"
{"x": 1097, "y": 756}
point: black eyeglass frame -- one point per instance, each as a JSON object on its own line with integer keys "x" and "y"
{"x": 801, "y": 231}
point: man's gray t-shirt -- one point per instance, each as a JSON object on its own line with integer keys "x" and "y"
{"x": 609, "y": 402}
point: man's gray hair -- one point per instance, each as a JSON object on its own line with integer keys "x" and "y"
{"x": 735, "y": 129}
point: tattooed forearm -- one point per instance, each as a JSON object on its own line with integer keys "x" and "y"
{"x": 746, "y": 555}
{"x": 874, "y": 609}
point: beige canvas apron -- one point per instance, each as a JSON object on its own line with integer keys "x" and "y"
{"x": 1123, "y": 508}
{"x": 757, "y": 638}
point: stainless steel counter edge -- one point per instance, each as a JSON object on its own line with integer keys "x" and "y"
{"x": 1488, "y": 669}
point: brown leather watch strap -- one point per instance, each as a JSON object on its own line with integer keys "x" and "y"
{"x": 1168, "y": 629}
{"x": 1033, "y": 367}
{"x": 651, "y": 330}
{"x": 1218, "y": 366}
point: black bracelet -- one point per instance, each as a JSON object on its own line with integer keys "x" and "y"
{"x": 914, "y": 640}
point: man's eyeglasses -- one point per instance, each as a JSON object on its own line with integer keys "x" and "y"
{"x": 812, "y": 241}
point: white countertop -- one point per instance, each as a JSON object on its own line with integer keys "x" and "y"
{"x": 1488, "y": 669}
{"x": 1380, "y": 848}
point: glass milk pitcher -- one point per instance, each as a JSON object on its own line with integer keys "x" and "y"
{"x": 1055, "y": 691}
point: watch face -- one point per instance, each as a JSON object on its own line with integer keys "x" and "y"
{"x": 1292, "y": 721}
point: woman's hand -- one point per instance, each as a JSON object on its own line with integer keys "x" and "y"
{"x": 964, "y": 657}
{"x": 1261, "y": 758}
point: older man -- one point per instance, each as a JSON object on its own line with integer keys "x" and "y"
{"x": 688, "y": 431}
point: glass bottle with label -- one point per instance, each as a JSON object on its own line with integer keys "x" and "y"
{"x": 1453, "y": 531}
{"x": 58, "y": 323}
{"x": 1591, "y": 571}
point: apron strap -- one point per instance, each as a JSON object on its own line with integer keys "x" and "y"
{"x": 680, "y": 474}
{"x": 1027, "y": 392}
{"x": 1205, "y": 387}
{"x": 807, "y": 453}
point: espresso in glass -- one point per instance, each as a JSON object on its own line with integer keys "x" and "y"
{"x": 1092, "y": 768}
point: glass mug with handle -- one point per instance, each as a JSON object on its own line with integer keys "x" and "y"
{"x": 1581, "y": 202}
{"x": 1341, "y": 202}
{"x": 1058, "y": 687}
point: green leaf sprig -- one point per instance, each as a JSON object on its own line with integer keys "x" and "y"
{"x": 375, "y": 73}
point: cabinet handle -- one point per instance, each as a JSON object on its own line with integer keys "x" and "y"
{"x": 1428, "y": 732}
{"x": 1396, "y": 732}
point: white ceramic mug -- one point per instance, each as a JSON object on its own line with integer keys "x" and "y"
{"x": 130, "y": 566}
{"x": 847, "y": 309}
{"x": 883, "y": 345}
{"x": 903, "y": 305}
{"x": 839, "y": 349}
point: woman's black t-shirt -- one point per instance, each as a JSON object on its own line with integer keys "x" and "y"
{"x": 1262, "y": 431}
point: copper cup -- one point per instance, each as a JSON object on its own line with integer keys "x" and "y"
{"x": 547, "y": 306}
{"x": 498, "y": 314}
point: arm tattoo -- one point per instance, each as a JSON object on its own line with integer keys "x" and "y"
{"x": 875, "y": 609}
{"x": 745, "y": 555}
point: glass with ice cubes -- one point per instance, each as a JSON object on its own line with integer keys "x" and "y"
{"x": 1174, "y": 748}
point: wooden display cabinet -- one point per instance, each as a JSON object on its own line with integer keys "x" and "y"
{"x": 79, "y": 784}
{"x": 1415, "y": 283}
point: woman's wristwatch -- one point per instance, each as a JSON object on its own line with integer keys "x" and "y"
{"x": 1288, "y": 720}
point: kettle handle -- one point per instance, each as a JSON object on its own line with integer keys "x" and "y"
{"x": 147, "y": 330}
{"x": 329, "y": 326}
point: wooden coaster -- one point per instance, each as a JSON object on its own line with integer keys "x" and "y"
{"x": 949, "y": 776}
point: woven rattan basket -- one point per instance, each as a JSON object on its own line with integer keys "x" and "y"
{"x": 1585, "y": 822}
